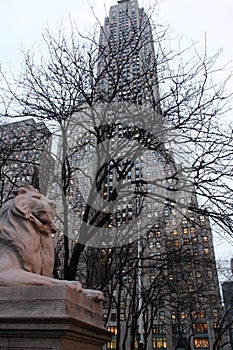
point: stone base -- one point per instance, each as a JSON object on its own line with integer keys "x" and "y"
{"x": 49, "y": 318}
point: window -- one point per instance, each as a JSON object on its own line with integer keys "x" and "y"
{"x": 182, "y": 315}
{"x": 201, "y": 343}
{"x": 192, "y": 229}
{"x": 112, "y": 329}
{"x": 202, "y": 314}
{"x": 173, "y": 315}
{"x": 194, "y": 314}
{"x": 191, "y": 288}
{"x": 195, "y": 252}
{"x": 206, "y": 251}
{"x": 175, "y": 232}
{"x": 113, "y": 318}
{"x": 200, "y": 327}
{"x": 162, "y": 315}
{"x": 216, "y": 327}
{"x": 159, "y": 329}
{"x": 122, "y": 305}
{"x": 159, "y": 343}
{"x": 215, "y": 313}
{"x": 111, "y": 344}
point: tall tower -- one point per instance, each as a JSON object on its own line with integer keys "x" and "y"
{"x": 161, "y": 287}
{"x": 127, "y": 50}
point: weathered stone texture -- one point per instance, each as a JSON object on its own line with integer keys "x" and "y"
{"x": 49, "y": 318}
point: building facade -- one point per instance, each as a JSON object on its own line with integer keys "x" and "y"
{"x": 22, "y": 145}
{"x": 161, "y": 287}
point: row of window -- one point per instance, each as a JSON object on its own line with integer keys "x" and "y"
{"x": 161, "y": 343}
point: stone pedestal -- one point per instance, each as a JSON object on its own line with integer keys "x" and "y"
{"x": 49, "y": 318}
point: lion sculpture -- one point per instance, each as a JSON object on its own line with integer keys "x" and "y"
{"x": 26, "y": 244}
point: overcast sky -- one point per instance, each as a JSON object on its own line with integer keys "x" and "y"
{"x": 23, "y": 21}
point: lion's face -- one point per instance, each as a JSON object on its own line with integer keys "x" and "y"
{"x": 36, "y": 207}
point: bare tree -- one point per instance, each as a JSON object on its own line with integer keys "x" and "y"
{"x": 79, "y": 85}
{"x": 22, "y": 145}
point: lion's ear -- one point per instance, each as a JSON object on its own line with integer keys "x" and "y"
{"x": 23, "y": 206}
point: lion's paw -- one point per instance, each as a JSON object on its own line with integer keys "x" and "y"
{"x": 75, "y": 285}
{"x": 95, "y": 295}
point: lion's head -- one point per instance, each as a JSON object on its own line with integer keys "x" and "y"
{"x": 26, "y": 227}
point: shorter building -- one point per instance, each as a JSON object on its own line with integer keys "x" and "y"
{"x": 227, "y": 291}
{"x": 22, "y": 145}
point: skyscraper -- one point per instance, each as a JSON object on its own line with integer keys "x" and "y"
{"x": 127, "y": 51}
{"x": 154, "y": 256}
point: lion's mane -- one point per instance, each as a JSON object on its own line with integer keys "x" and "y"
{"x": 34, "y": 249}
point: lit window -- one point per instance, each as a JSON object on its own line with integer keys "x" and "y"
{"x": 122, "y": 305}
{"x": 206, "y": 251}
{"x": 173, "y": 316}
{"x": 159, "y": 343}
{"x": 159, "y": 329}
{"x": 182, "y": 315}
{"x": 216, "y": 327}
{"x": 112, "y": 329}
{"x": 200, "y": 327}
{"x": 186, "y": 231}
{"x": 195, "y": 252}
{"x": 111, "y": 344}
{"x": 202, "y": 313}
{"x": 194, "y": 314}
{"x": 191, "y": 288}
{"x": 201, "y": 343}
{"x": 175, "y": 232}
{"x": 192, "y": 229}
